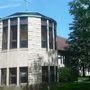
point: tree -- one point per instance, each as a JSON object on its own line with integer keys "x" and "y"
{"x": 66, "y": 75}
{"x": 79, "y": 38}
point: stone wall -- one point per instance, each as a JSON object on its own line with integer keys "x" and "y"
{"x": 34, "y": 57}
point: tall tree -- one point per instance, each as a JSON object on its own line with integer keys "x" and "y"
{"x": 79, "y": 38}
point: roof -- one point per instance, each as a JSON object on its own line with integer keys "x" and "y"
{"x": 61, "y": 43}
{"x": 31, "y": 14}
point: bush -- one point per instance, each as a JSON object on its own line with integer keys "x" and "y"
{"x": 67, "y": 75}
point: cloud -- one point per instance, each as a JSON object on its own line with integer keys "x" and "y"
{"x": 9, "y": 5}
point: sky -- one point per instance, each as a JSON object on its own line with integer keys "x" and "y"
{"x": 56, "y": 9}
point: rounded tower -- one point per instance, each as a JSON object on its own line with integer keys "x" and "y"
{"x": 27, "y": 49}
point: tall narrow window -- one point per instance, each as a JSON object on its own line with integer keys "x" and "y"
{"x": 13, "y": 33}
{"x": 50, "y": 38}
{"x": 52, "y": 74}
{"x": 13, "y": 75}
{"x": 50, "y": 34}
{"x": 44, "y": 37}
{"x": 3, "y": 76}
{"x": 5, "y": 35}
{"x": 23, "y": 75}
{"x": 23, "y": 32}
{"x": 44, "y": 33}
{"x": 56, "y": 73}
{"x": 44, "y": 73}
{"x": 55, "y": 36}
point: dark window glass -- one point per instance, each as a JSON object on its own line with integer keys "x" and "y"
{"x": 23, "y": 75}
{"x": 5, "y": 23}
{"x": 13, "y": 33}
{"x": 44, "y": 36}
{"x": 50, "y": 24}
{"x": 52, "y": 74}
{"x": 13, "y": 21}
{"x": 24, "y": 35}
{"x": 5, "y": 38}
{"x": 43, "y": 33}
{"x": 23, "y": 32}
{"x": 5, "y": 35}
{"x": 45, "y": 74}
{"x": 50, "y": 38}
{"x": 43, "y": 22}
{"x": 55, "y": 36}
{"x": 13, "y": 36}
{"x": 13, "y": 75}
{"x": 3, "y": 76}
{"x": 56, "y": 72}
{"x": 23, "y": 20}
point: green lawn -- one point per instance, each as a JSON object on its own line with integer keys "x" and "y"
{"x": 71, "y": 86}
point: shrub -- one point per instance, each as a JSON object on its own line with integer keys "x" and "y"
{"x": 67, "y": 75}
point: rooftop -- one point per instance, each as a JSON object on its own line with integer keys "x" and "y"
{"x": 61, "y": 43}
{"x": 31, "y": 14}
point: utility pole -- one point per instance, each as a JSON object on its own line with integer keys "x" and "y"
{"x": 26, "y": 4}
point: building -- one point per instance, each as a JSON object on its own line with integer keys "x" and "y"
{"x": 62, "y": 53}
{"x": 28, "y": 52}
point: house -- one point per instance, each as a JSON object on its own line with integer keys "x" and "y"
{"x": 62, "y": 53}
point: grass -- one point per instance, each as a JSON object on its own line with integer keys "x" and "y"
{"x": 84, "y": 79}
{"x": 82, "y": 84}
{"x": 71, "y": 86}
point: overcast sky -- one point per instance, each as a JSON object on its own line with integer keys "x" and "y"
{"x": 56, "y": 9}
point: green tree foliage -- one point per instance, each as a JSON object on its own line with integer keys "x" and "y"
{"x": 79, "y": 38}
{"x": 66, "y": 75}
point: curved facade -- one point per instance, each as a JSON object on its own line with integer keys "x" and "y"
{"x": 27, "y": 49}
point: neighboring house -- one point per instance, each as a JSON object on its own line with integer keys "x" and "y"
{"x": 28, "y": 52}
{"x": 62, "y": 53}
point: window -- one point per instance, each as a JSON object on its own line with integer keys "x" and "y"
{"x": 44, "y": 73}
{"x": 13, "y": 33}
{"x": 5, "y": 23}
{"x": 50, "y": 38}
{"x": 44, "y": 33}
{"x": 23, "y": 32}
{"x": 52, "y": 74}
{"x": 23, "y": 74}
{"x": 43, "y": 22}
{"x": 13, "y": 75}
{"x": 5, "y": 35}
{"x": 3, "y": 76}
{"x": 23, "y": 20}
{"x": 13, "y": 36}
{"x": 56, "y": 72}
{"x": 23, "y": 36}
{"x": 44, "y": 36}
{"x": 13, "y": 21}
{"x": 50, "y": 23}
{"x": 55, "y": 36}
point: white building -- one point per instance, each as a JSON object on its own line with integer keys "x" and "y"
{"x": 27, "y": 49}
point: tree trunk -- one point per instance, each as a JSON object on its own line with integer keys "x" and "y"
{"x": 83, "y": 71}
